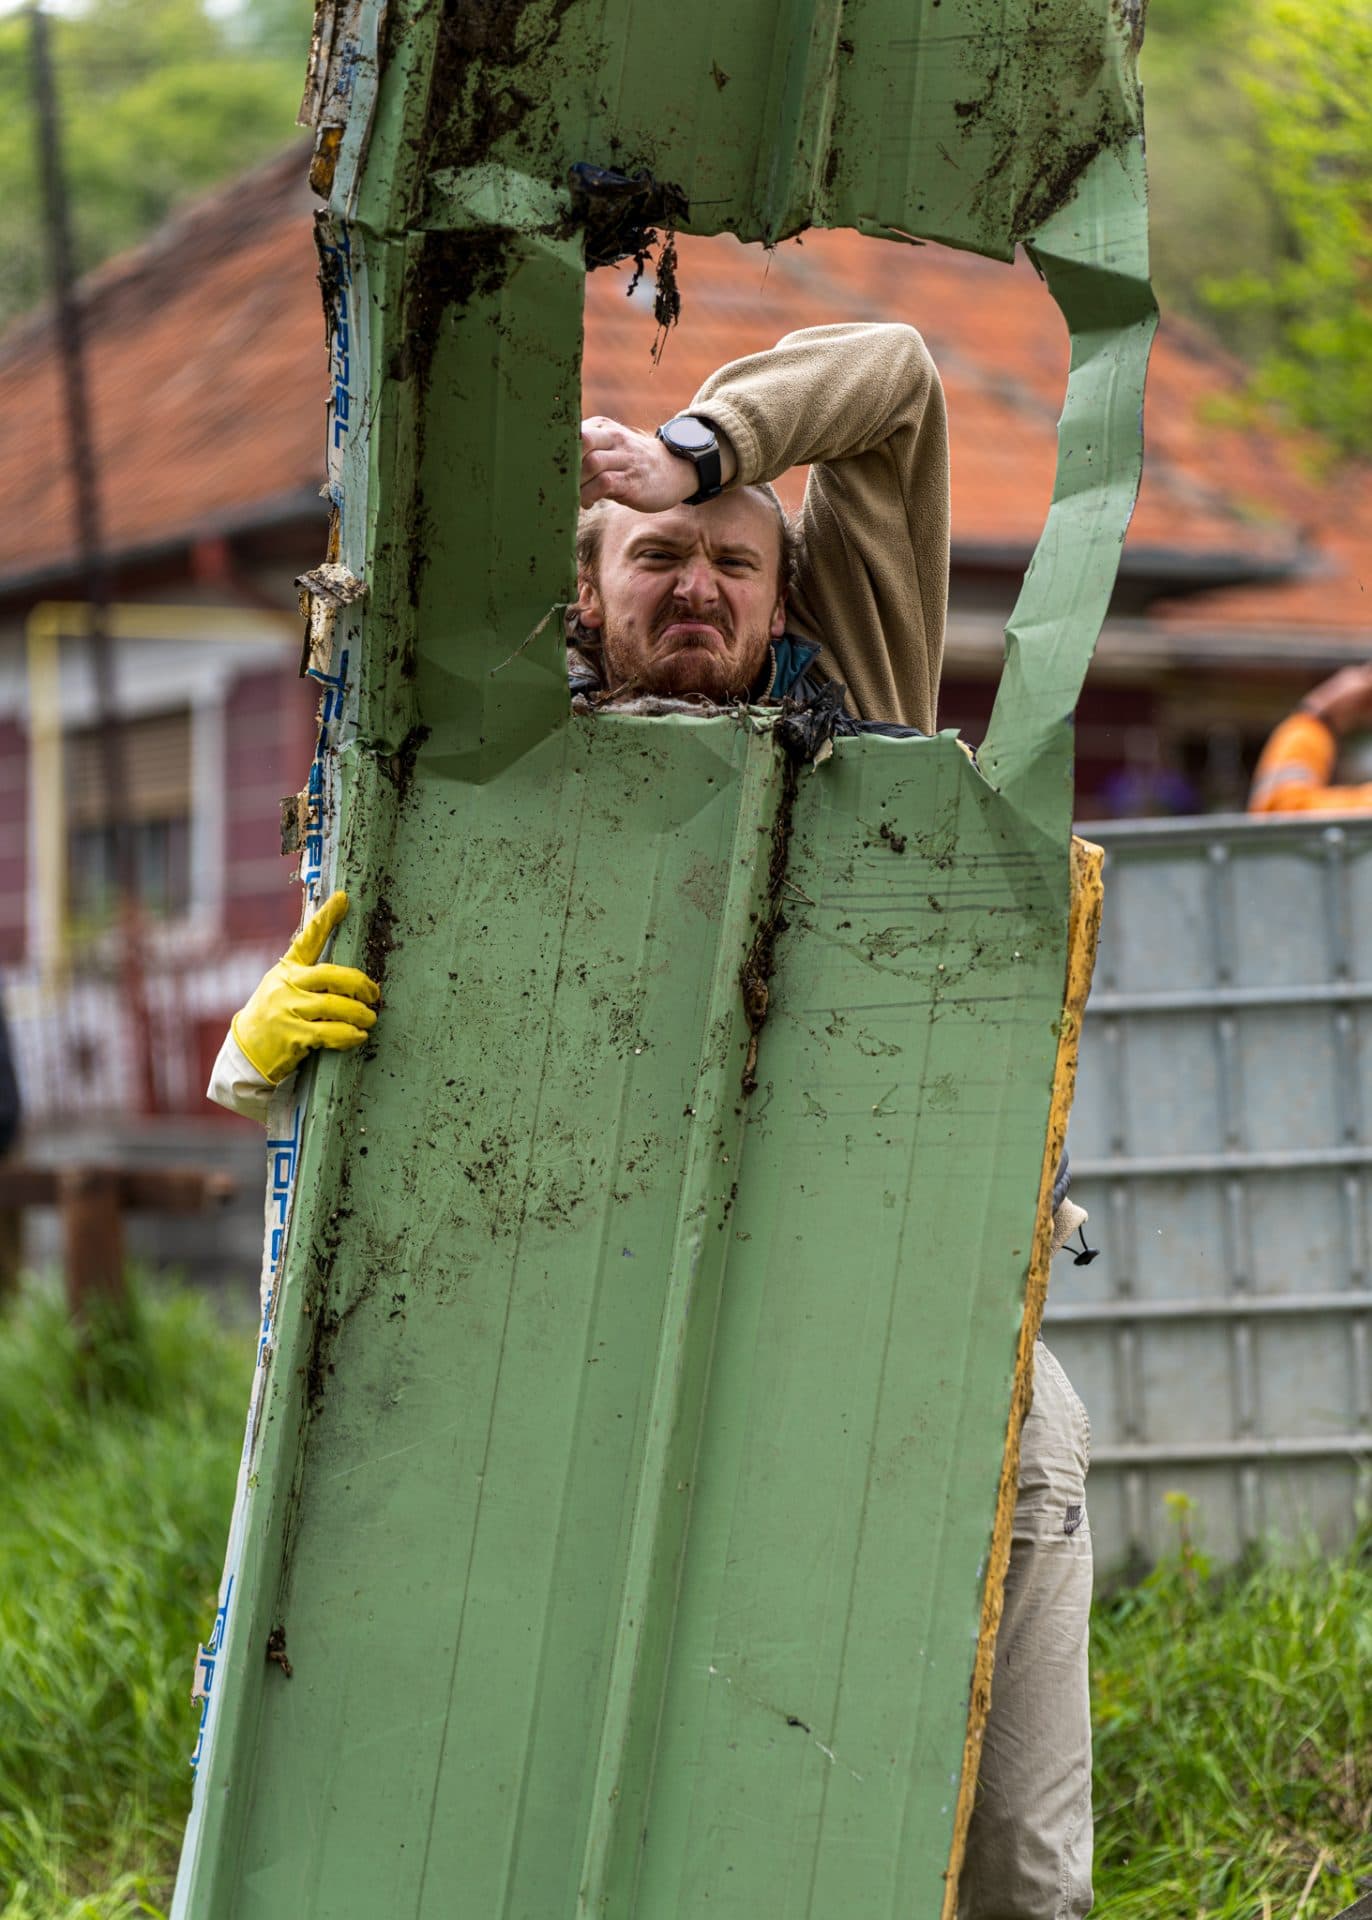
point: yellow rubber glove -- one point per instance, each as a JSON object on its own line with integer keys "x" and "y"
{"x": 301, "y": 1005}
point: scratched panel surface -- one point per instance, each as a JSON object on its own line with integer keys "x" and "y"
{"x": 816, "y": 1698}
{"x": 541, "y": 1165}
{"x": 585, "y": 1323}
{"x": 623, "y": 1454}
{"x": 969, "y": 124}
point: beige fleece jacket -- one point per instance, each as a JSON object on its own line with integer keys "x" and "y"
{"x": 862, "y": 406}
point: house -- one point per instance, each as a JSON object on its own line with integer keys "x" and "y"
{"x": 1239, "y": 585}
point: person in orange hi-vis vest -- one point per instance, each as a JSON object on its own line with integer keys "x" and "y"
{"x": 1294, "y": 772}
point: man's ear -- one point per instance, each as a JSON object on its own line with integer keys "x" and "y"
{"x": 778, "y": 626}
{"x": 589, "y": 609}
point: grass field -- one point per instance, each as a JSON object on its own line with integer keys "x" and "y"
{"x": 1234, "y": 1732}
{"x": 118, "y": 1469}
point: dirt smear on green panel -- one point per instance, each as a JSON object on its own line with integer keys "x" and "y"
{"x": 804, "y": 737}
{"x": 474, "y": 99}
{"x": 276, "y": 1650}
{"x": 755, "y": 975}
{"x": 379, "y": 941}
{"x": 1047, "y": 96}
{"x": 398, "y": 767}
{"x": 328, "y": 1322}
{"x": 620, "y": 215}
{"x": 446, "y": 270}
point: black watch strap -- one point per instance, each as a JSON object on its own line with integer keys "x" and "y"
{"x": 708, "y": 472}
{"x": 691, "y": 438}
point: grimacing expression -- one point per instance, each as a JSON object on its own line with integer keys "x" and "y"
{"x": 686, "y": 601}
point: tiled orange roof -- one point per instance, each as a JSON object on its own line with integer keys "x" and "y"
{"x": 207, "y": 378}
{"x": 1001, "y": 346}
{"x": 208, "y": 375}
{"x": 1333, "y": 595}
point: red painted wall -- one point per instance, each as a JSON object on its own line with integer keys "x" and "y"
{"x": 269, "y": 733}
{"x": 14, "y": 832}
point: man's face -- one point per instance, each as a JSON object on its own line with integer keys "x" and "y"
{"x": 686, "y": 601}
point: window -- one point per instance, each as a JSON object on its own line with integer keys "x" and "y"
{"x": 156, "y": 802}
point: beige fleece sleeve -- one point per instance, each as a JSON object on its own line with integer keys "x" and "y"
{"x": 862, "y": 406}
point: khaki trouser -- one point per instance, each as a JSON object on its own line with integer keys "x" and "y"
{"x": 1029, "y": 1844}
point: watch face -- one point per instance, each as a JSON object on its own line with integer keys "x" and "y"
{"x": 689, "y": 434}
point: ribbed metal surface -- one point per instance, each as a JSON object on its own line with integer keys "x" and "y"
{"x": 625, "y": 1466}
{"x": 1219, "y": 1141}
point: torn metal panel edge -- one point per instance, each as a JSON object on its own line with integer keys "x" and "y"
{"x": 1087, "y": 896}
{"x": 323, "y": 593}
{"x": 317, "y": 66}
{"x": 342, "y": 82}
{"x": 1098, "y": 275}
{"x": 312, "y": 820}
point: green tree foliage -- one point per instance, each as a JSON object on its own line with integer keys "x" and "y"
{"x": 1207, "y": 214}
{"x": 1260, "y": 167}
{"x": 1308, "y": 80}
{"x": 160, "y": 99}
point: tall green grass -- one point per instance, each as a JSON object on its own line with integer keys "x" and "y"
{"x": 1233, "y": 1731}
{"x": 1233, "y": 1723}
{"x": 117, "y": 1460}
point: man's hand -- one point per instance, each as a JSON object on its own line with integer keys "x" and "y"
{"x": 1344, "y": 701}
{"x": 620, "y": 463}
{"x": 300, "y": 1005}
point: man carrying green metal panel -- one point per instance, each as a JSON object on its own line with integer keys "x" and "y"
{"x": 694, "y": 590}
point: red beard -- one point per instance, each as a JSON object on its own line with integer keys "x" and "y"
{"x": 720, "y": 674}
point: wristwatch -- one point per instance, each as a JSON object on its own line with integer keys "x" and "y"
{"x": 693, "y": 439}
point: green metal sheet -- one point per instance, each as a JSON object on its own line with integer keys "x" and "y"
{"x": 622, "y": 1469}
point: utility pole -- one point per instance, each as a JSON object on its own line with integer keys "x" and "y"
{"x": 90, "y": 545}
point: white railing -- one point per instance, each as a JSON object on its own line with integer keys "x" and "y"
{"x": 77, "y": 1041}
